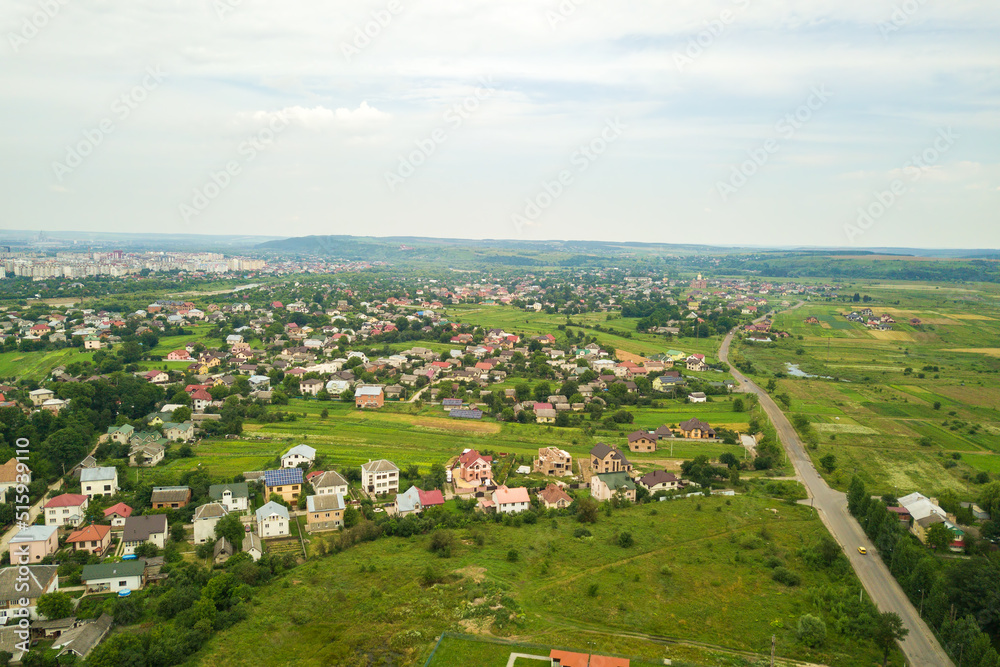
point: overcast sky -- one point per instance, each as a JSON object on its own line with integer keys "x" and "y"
{"x": 694, "y": 121}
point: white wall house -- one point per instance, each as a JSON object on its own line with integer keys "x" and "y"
{"x": 205, "y": 518}
{"x": 380, "y": 477}
{"x": 99, "y": 482}
{"x": 298, "y": 454}
{"x": 272, "y": 521}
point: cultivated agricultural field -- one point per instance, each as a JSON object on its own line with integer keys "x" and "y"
{"x": 905, "y": 409}
{"x": 410, "y": 435}
{"x": 695, "y": 569}
{"x": 36, "y": 365}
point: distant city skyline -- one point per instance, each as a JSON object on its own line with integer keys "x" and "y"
{"x": 729, "y": 123}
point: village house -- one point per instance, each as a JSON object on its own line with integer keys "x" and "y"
{"x": 324, "y": 512}
{"x": 272, "y": 520}
{"x": 205, "y": 518}
{"x": 695, "y": 429}
{"x": 144, "y": 528}
{"x": 379, "y": 477}
{"x": 119, "y": 434}
{"x": 474, "y": 468}
{"x": 67, "y": 509}
{"x": 99, "y": 481}
{"x": 605, "y": 459}
{"x": 114, "y": 577}
{"x": 234, "y": 496}
{"x": 328, "y": 483}
{"x": 660, "y": 480}
{"x": 170, "y": 497}
{"x": 94, "y": 539}
{"x": 369, "y": 397}
{"x": 253, "y": 547}
{"x": 604, "y": 486}
{"x": 39, "y": 396}
{"x": 146, "y": 454}
{"x": 286, "y": 483}
{"x": 117, "y": 514}
{"x": 554, "y": 461}
{"x": 641, "y": 441}
{"x": 554, "y": 497}
{"x": 183, "y": 432}
{"x": 311, "y": 387}
{"x": 21, "y": 588}
{"x": 511, "y": 500}
{"x": 297, "y": 455}
{"x": 697, "y": 397}
{"x": 32, "y": 544}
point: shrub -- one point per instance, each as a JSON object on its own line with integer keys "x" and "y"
{"x": 625, "y": 540}
{"x": 581, "y": 532}
{"x": 592, "y": 591}
{"x": 785, "y": 576}
{"x": 811, "y": 630}
{"x": 441, "y": 543}
{"x": 512, "y": 556}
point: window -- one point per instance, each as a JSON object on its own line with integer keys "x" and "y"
{"x": 123, "y": 583}
{"x": 107, "y": 487}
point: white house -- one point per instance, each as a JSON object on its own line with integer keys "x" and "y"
{"x": 512, "y": 500}
{"x": 17, "y": 585}
{"x": 205, "y": 518}
{"x": 234, "y": 497}
{"x": 99, "y": 482}
{"x": 67, "y": 509}
{"x": 329, "y": 483}
{"x": 298, "y": 454}
{"x": 379, "y": 477}
{"x": 114, "y": 577}
{"x": 253, "y": 546}
{"x": 145, "y": 528}
{"x": 272, "y": 520}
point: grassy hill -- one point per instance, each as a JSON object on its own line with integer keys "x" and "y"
{"x": 698, "y": 569}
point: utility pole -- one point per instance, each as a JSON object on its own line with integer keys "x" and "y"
{"x": 772, "y": 650}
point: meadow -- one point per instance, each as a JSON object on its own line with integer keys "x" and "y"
{"x": 407, "y": 434}
{"x": 697, "y": 569}
{"x": 906, "y": 409}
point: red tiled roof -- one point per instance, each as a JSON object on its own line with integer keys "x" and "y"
{"x": 67, "y": 500}
{"x": 568, "y": 659}
{"x": 201, "y": 395}
{"x": 120, "y": 508}
{"x": 430, "y": 498}
{"x": 608, "y": 661}
{"x": 471, "y": 456}
{"x": 95, "y": 533}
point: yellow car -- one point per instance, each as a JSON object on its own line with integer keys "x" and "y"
{"x": 862, "y": 551}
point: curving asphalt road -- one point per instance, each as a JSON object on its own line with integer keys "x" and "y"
{"x": 920, "y": 647}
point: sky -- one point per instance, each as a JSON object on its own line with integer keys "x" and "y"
{"x": 847, "y": 123}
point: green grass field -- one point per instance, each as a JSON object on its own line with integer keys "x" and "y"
{"x": 698, "y": 569}
{"x": 408, "y": 435}
{"x": 37, "y": 365}
{"x": 898, "y": 428}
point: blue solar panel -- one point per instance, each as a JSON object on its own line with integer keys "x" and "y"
{"x": 283, "y": 476}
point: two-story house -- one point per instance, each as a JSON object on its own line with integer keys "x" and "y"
{"x": 67, "y": 509}
{"x": 272, "y": 520}
{"x": 608, "y": 459}
{"x": 379, "y": 477}
{"x": 99, "y": 481}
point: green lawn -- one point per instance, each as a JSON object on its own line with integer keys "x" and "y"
{"x": 698, "y": 568}
{"x": 37, "y": 365}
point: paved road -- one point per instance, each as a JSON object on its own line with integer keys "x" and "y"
{"x": 920, "y": 647}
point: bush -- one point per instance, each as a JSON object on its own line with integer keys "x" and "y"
{"x": 592, "y": 591}
{"x": 513, "y": 556}
{"x": 625, "y": 540}
{"x": 441, "y": 543}
{"x": 785, "y": 576}
{"x": 811, "y": 630}
{"x": 581, "y": 532}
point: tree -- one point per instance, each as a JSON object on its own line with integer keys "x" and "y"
{"x": 351, "y": 517}
{"x": 811, "y": 630}
{"x": 939, "y": 536}
{"x": 182, "y": 414}
{"x": 586, "y": 510}
{"x": 887, "y": 629}
{"x": 989, "y": 499}
{"x": 829, "y": 463}
{"x": 231, "y": 528}
{"x": 55, "y": 605}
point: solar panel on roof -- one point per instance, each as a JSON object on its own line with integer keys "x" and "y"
{"x": 283, "y": 476}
